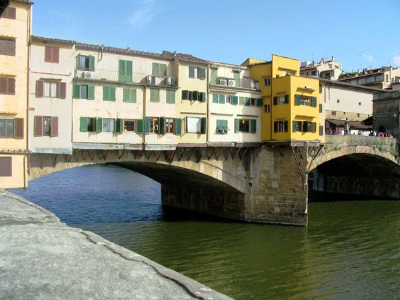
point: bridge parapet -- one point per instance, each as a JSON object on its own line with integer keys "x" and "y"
{"x": 340, "y": 145}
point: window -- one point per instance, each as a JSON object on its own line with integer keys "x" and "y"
{"x": 12, "y": 128}
{"x": 222, "y": 127}
{"x": 170, "y": 96}
{"x": 267, "y": 81}
{"x": 159, "y": 70}
{"x": 246, "y": 125}
{"x": 108, "y": 93}
{"x": 194, "y": 95}
{"x": 52, "y": 54}
{"x": 82, "y": 91}
{"x": 5, "y": 166}
{"x": 108, "y": 125}
{"x": 195, "y": 125}
{"x": 7, "y": 47}
{"x": 88, "y": 124}
{"x": 236, "y": 76}
{"x": 281, "y": 100}
{"x": 154, "y": 95}
{"x": 214, "y": 75}
{"x": 305, "y": 100}
{"x": 304, "y": 126}
{"x": 125, "y": 71}
{"x": 85, "y": 62}
{"x": 197, "y": 72}
{"x": 52, "y": 89}
{"x": 45, "y": 126}
{"x": 129, "y": 125}
{"x": 267, "y": 108}
{"x": 7, "y": 86}
{"x": 9, "y": 13}
{"x": 153, "y": 128}
{"x": 281, "y": 126}
{"x": 167, "y": 125}
{"x": 129, "y": 95}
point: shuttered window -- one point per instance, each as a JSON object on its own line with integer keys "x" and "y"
{"x": 52, "y": 54}
{"x": 5, "y": 166}
{"x": 85, "y": 63}
{"x": 83, "y": 91}
{"x": 154, "y": 95}
{"x": 50, "y": 89}
{"x": 125, "y": 71}
{"x": 9, "y": 13}
{"x": 170, "y": 97}
{"x": 45, "y": 126}
{"x": 108, "y": 93}
{"x": 159, "y": 70}
{"x": 7, "y": 85}
{"x": 7, "y": 47}
{"x": 129, "y": 95}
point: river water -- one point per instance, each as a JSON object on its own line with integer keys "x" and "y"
{"x": 350, "y": 249}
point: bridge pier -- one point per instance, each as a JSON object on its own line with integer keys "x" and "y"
{"x": 275, "y": 190}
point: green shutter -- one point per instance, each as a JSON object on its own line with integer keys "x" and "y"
{"x": 99, "y": 124}
{"x": 177, "y": 126}
{"x": 314, "y": 127}
{"x": 78, "y": 58}
{"x": 253, "y": 126}
{"x": 248, "y": 101}
{"x": 128, "y": 71}
{"x": 170, "y": 97}
{"x": 191, "y": 72}
{"x": 236, "y": 76}
{"x": 241, "y": 100}
{"x": 221, "y": 99}
{"x": 214, "y": 74}
{"x": 260, "y": 102}
{"x": 121, "y": 70}
{"x": 163, "y": 70}
{"x": 203, "y": 129}
{"x": 77, "y": 91}
{"x": 297, "y": 99}
{"x": 161, "y": 125}
{"x": 120, "y": 126}
{"x": 90, "y": 92}
{"x": 320, "y": 108}
{"x": 154, "y": 95}
{"x": 139, "y": 126}
{"x": 321, "y": 130}
{"x": 275, "y": 100}
{"x": 314, "y": 101}
{"x": 146, "y": 125}
{"x": 237, "y": 125}
{"x": 195, "y": 95}
{"x": 235, "y": 100}
{"x": 91, "y": 63}
{"x": 84, "y": 124}
{"x": 215, "y": 98}
{"x": 202, "y": 73}
{"x": 185, "y": 95}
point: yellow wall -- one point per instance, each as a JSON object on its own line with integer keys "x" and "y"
{"x": 15, "y": 106}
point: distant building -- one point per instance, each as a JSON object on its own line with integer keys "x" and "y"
{"x": 386, "y": 113}
{"x": 326, "y": 69}
{"x": 380, "y": 78}
{"x": 343, "y": 100}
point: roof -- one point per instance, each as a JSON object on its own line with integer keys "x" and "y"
{"x": 183, "y": 57}
{"x": 351, "y": 85}
{"x": 353, "y": 124}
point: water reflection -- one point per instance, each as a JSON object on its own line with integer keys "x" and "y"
{"x": 350, "y": 250}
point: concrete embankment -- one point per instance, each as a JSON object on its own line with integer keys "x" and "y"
{"x": 42, "y": 258}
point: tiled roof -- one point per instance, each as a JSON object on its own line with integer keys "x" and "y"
{"x": 183, "y": 57}
{"x": 40, "y": 38}
{"x": 108, "y": 49}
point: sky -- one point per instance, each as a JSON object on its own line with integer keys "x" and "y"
{"x": 357, "y": 33}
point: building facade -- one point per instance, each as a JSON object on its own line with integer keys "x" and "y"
{"x": 15, "y": 31}
{"x": 386, "y": 113}
{"x": 326, "y": 69}
{"x": 380, "y": 78}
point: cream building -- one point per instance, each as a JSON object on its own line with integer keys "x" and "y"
{"x": 235, "y": 106}
{"x": 50, "y": 95}
{"x": 15, "y": 30}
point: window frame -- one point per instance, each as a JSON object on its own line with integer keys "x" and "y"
{"x": 52, "y": 54}
{"x": 9, "y": 46}
{"x": 40, "y": 128}
{"x": 7, "y": 85}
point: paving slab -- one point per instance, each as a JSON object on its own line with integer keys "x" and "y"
{"x": 42, "y": 258}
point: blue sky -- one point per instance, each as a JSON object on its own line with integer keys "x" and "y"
{"x": 357, "y": 33}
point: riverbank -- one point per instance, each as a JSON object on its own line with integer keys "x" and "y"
{"x": 42, "y": 258}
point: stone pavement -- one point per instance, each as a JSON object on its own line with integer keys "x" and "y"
{"x": 42, "y": 258}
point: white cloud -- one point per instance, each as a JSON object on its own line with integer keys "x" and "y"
{"x": 144, "y": 13}
{"x": 396, "y": 60}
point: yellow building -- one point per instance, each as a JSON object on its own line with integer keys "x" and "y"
{"x": 15, "y": 30}
{"x": 291, "y": 107}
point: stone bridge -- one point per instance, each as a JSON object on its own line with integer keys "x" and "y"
{"x": 255, "y": 183}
